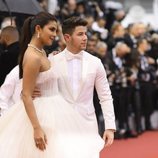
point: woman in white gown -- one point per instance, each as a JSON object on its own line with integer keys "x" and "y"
{"x": 46, "y": 127}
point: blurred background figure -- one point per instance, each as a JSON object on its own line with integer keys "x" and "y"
{"x": 9, "y": 40}
{"x": 7, "y": 21}
{"x": 91, "y": 46}
{"x": 117, "y": 34}
{"x": 146, "y": 77}
{"x": 99, "y": 26}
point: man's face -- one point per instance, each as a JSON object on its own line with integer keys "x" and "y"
{"x": 78, "y": 40}
{"x": 123, "y": 50}
{"x": 145, "y": 45}
{"x": 120, "y": 31}
{"x": 102, "y": 51}
{"x": 91, "y": 46}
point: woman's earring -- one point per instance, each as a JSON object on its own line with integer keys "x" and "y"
{"x": 38, "y": 35}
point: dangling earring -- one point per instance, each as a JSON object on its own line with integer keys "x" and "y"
{"x": 38, "y": 35}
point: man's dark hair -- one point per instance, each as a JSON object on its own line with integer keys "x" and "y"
{"x": 70, "y": 24}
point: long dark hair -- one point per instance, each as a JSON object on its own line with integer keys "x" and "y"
{"x": 28, "y": 31}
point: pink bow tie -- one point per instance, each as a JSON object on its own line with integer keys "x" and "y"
{"x": 73, "y": 56}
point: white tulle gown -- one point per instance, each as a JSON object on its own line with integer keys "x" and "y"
{"x": 68, "y": 134}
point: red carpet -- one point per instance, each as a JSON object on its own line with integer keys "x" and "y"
{"x": 144, "y": 146}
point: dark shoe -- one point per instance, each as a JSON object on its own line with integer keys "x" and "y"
{"x": 151, "y": 129}
{"x": 140, "y": 131}
{"x": 131, "y": 134}
{"x": 119, "y": 134}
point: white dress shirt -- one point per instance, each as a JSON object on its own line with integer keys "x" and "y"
{"x": 74, "y": 70}
{"x": 9, "y": 91}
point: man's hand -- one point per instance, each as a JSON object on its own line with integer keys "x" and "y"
{"x": 108, "y": 137}
{"x": 36, "y": 93}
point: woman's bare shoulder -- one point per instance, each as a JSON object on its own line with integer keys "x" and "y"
{"x": 32, "y": 56}
{"x": 32, "y": 59}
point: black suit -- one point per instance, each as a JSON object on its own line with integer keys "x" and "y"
{"x": 146, "y": 77}
{"x": 110, "y": 62}
{"x": 111, "y": 42}
{"x": 8, "y": 60}
{"x": 132, "y": 43}
{"x": 112, "y": 68}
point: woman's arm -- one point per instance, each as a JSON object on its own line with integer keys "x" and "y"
{"x": 31, "y": 69}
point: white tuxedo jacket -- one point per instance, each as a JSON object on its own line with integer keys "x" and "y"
{"x": 93, "y": 74}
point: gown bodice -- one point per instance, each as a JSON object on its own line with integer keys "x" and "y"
{"x": 47, "y": 82}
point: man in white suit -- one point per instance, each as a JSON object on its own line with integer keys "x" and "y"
{"x": 79, "y": 72}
